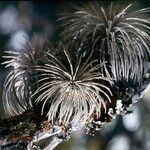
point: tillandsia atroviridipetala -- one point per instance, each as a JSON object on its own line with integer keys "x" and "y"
{"x": 83, "y": 81}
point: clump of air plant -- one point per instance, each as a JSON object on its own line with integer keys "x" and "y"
{"x": 118, "y": 35}
{"x": 64, "y": 89}
{"x": 87, "y": 80}
{"x": 71, "y": 90}
{"x": 17, "y": 87}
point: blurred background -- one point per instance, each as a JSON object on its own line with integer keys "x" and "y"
{"x": 27, "y": 20}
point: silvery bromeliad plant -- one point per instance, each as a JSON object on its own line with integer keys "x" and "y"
{"x": 83, "y": 81}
